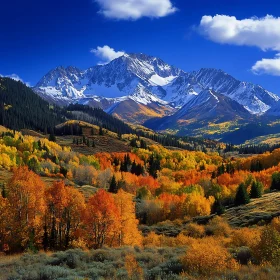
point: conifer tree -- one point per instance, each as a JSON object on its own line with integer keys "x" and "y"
{"x": 113, "y": 188}
{"x": 134, "y": 168}
{"x": 256, "y": 190}
{"x": 133, "y": 143}
{"x": 275, "y": 182}
{"x": 242, "y": 196}
{"x": 218, "y": 207}
{"x": 52, "y": 137}
{"x": 139, "y": 169}
{"x": 154, "y": 165}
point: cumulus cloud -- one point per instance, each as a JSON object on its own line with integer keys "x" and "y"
{"x": 16, "y": 78}
{"x": 263, "y": 33}
{"x": 106, "y": 54}
{"x": 135, "y": 9}
{"x": 269, "y": 66}
{"x": 260, "y": 32}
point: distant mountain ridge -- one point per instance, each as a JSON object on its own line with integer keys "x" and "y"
{"x": 148, "y": 85}
{"x": 208, "y": 105}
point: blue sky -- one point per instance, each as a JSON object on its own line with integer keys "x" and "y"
{"x": 37, "y": 36}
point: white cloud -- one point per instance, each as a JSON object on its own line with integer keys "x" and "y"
{"x": 268, "y": 66}
{"x": 135, "y": 9}
{"x": 16, "y": 78}
{"x": 106, "y": 54}
{"x": 260, "y": 32}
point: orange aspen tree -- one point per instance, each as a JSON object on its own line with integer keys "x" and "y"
{"x": 27, "y": 205}
{"x": 128, "y": 233}
{"x": 101, "y": 220}
{"x": 65, "y": 209}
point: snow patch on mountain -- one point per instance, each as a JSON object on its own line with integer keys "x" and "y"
{"x": 156, "y": 80}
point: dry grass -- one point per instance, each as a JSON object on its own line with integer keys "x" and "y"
{"x": 32, "y": 133}
{"x": 259, "y": 210}
{"x": 102, "y": 144}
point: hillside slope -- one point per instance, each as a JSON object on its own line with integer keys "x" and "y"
{"x": 21, "y": 108}
{"x": 261, "y": 209}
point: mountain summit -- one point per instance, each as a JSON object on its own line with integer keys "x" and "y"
{"x": 150, "y": 86}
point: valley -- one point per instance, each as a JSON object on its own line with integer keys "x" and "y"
{"x": 78, "y": 173}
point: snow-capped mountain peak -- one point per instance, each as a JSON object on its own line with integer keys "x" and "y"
{"x": 147, "y": 80}
{"x": 254, "y": 98}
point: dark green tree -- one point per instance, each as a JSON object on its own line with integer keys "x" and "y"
{"x": 143, "y": 144}
{"x": 275, "y": 181}
{"x": 113, "y": 188}
{"x": 256, "y": 189}
{"x": 63, "y": 171}
{"x": 139, "y": 169}
{"x": 221, "y": 170}
{"x": 241, "y": 196}
{"x": 218, "y": 207}
{"x": 154, "y": 165}
{"x": 52, "y": 137}
{"x": 133, "y": 168}
{"x": 133, "y": 143}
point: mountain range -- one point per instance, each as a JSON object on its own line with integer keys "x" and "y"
{"x": 144, "y": 89}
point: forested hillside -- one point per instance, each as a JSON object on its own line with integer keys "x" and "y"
{"x": 164, "y": 207}
{"x": 21, "y": 108}
{"x": 141, "y": 203}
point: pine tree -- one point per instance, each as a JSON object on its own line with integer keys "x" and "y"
{"x": 139, "y": 169}
{"x": 154, "y": 165}
{"x": 128, "y": 160}
{"x": 134, "y": 168}
{"x": 116, "y": 162}
{"x": 221, "y": 170}
{"x": 242, "y": 196}
{"x": 63, "y": 171}
{"x": 256, "y": 190}
{"x": 143, "y": 144}
{"x": 52, "y": 135}
{"x": 275, "y": 182}
{"x": 123, "y": 167}
{"x": 133, "y": 143}
{"x": 218, "y": 207}
{"x": 113, "y": 188}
